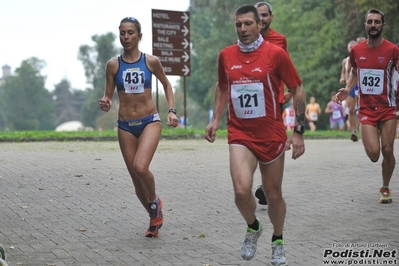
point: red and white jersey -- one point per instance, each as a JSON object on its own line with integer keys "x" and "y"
{"x": 253, "y": 81}
{"x": 375, "y": 69}
{"x": 277, "y": 39}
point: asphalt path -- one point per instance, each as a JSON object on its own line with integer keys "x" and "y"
{"x": 73, "y": 203}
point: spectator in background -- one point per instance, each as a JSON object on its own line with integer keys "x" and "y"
{"x": 289, "y": 117}
{"x": 312, "y": 112}
{"x": 183, "y": 121}
{"x": 336, "y": 112}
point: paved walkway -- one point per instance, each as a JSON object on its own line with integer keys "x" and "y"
{"x": 73, "y": 203}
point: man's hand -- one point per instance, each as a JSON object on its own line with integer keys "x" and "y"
{"x": 341, "y": 95}
{"x": 298, "y": 145}
{"x": 210, "y": 131}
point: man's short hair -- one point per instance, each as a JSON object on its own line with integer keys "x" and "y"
{"x": 248, "y": 9}
{"x": 269, "y": 6}
{"x": 376, "y": 11}
{"x": 351, "y": 43}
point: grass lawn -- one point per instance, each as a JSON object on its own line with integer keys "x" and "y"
{"x": 109, "y": 135}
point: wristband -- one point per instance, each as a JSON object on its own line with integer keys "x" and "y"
{"x": 173, "y": 110}
{"x": 299, "y": 129}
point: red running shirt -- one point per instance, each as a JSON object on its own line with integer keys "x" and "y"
{"x": 253, "y": 81}
{"x": 277, "y": 39}
{"x": 375, "y": 68}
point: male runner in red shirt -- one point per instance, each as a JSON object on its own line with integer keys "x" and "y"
{"x": 373, "y": 65}
{"x": 266, "y": 14}
{"x": 249, "y": 76}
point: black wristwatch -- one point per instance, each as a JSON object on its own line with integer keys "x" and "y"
{"x": 299, "y": 129}
{"x": 173, "y": 110}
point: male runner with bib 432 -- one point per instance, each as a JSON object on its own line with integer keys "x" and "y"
{"x": 373, "y": 65}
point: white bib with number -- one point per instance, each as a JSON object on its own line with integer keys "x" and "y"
{"x": 133, "y": 81}
{"x": 372, "y": 81}
{"x": 313, "y": 116}
{"x": 248, "y": 100}
{"x": 336, "y": 114}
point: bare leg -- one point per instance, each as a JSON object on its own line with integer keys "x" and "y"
{"x": 351, "y": 102}
{"x": 243, "y": 164}
{"x": 387, "y": 133}
{"x": 371, "y": 140}
{"x": 138, "y": 154}
{"x": 272, "y": 177}
{"x": 312, "y": 126}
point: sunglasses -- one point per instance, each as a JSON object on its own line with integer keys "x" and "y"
{"x": 132, "y": 19}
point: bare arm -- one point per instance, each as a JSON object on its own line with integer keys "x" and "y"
{"x": 110, "y": 72}
{"x": 342, "y": 80}
{"x": 344, "y": 92}
{"x": 348, "y": 70}
{"x": 328, "y": 109}
{"x": 299, "y": 104}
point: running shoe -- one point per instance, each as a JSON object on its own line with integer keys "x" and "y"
{"x": 260, "y": 194}
{"x": 2, "y": 252}
{"x": 354, "y": 138}
{"x": 278, "y": 253}
{"x": 156, "y": 218}
{"x": 3, "y": 256}
{"x": 248, "y": 249}
{"x": 385, "y": 195}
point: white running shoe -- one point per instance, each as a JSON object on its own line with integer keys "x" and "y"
{"x": 248, "y": 249}
{"x": 278, "y": 253}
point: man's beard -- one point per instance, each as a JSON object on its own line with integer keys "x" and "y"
{"x": 265, "y": 26}
{"x": 375, "y": 35}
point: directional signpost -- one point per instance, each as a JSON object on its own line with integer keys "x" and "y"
{"x": 171, "y": 40}
{"x": 171, "y": 44}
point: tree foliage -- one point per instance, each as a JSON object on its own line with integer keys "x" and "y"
{"x": 25, "y": 103}
{"x": 314, "y": 35}
{"x": 94, "y": 59}
{"x": 212, "y": 29}
{"x": 68, "y": 103}
{"x": 391, "y": 10}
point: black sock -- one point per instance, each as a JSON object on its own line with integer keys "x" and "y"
{"x": 274, "y": 237}
{"x": 254, "y": 225}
